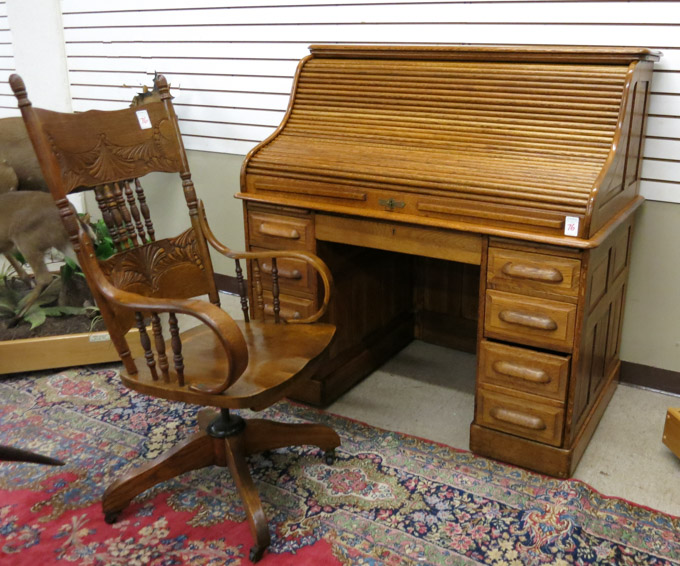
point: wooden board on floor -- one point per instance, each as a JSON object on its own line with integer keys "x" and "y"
{"x": 671, "y": 432}
{"x": 67, "y": 350}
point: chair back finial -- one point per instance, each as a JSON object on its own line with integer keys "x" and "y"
{"x": 19, "y": 90}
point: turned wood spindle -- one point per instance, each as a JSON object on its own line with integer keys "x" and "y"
{"x": 141, "y": 198}
{"x": 100, "y": 197}
{"x": 129, "y": 229}
{"x": 257, "y": 282}
{"x": 119, "y": 234}
{"x": 160, "y": 345}
{"x": 146, "y": 345}
{"x": 176, "y": 344}
{"x": 242, "y": 291}
{"x": 275, "y": 291}
{"x": 132, "y": 203}
{"x": 189, "y": 193}
{"x": 117, "y": 227}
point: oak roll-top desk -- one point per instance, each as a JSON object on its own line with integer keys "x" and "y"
{"x": 479, "y": 197}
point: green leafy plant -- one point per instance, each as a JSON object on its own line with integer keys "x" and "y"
{"x": 103, "y": 249}
{"x": 95, "y": 320}
{"x": 12, "y": 302}
{"x": 103, "y": 242}
{"x": 5, "y": 271}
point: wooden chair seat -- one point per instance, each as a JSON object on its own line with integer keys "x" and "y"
{"x": 279, "y": 356}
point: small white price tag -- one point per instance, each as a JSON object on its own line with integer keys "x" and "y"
{"x": 100, "y": 337}
{"x": 143, "y": 119}
{"x": 571, "y": 225}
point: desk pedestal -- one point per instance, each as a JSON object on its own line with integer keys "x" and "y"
{"x": 544, "y": 320}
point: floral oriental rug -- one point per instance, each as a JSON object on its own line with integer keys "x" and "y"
{"x": 389, "y": 499}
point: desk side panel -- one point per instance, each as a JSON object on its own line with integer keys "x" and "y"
{"x": 619, "y": 181}
{"x": 596, "y": 357}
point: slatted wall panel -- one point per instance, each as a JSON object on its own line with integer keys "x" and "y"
{"x": 8, "y": 104}
{"x": 234, "y": 65}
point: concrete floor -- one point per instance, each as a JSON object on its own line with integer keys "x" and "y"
{"x": 428, "y": 391}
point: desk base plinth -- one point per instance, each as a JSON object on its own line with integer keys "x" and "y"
{"x": 550, "y": 460}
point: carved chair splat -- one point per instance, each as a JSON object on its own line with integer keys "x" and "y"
{"x": 219, "y": 362}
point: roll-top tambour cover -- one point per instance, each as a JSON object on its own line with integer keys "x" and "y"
{"x": 543, "y": 141}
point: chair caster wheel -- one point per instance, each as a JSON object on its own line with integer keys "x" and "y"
{"x": 329, "y": 457}
{"x": 256, "y": 553}
{"x": 110, "y": 517}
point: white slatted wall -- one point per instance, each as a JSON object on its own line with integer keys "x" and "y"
{"x": 234, "y": 65}
{"x": 8, "y": 104}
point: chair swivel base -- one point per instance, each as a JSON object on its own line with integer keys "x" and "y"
{"x": 224, "y": 440}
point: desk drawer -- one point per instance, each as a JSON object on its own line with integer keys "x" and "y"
{"x": 530, "y": 320}
{"x": 524, "y": 370}
{"x": 521, "y": 416}
{"x": 294, "y": 274}
{"x": 525, "y": 272}
{"x": 277, "y": 231}
{"x": 291, "y": 307}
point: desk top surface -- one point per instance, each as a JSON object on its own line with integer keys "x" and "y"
{"x": 512, "y": 53}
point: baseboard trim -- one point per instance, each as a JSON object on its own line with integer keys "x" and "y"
{"x": 226, "y": 283}
{"x": 659, "y": 379}
{"x": 641, "y": 375}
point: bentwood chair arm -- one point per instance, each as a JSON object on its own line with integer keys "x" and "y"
{"x": 316, "y": 262}
{"x": 228, "y": 333}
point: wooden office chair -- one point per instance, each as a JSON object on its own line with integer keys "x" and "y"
{"x": 219, "y": 363}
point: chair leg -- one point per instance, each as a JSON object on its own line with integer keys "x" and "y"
{"x": 263, "y": 435}
{"x": 235, "y": 456}
{"x": 193, "y": 453}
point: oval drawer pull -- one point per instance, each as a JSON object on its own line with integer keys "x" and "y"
{"x": 529, "y": 319}
{"x": 520, "y": 419}
{"x": 521, "y": 372}
{"x": 278, "y": 231}
{"x": 283, "y": 272}
{"x": 288, "y": 314}
{"x": 544, "y": 274}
